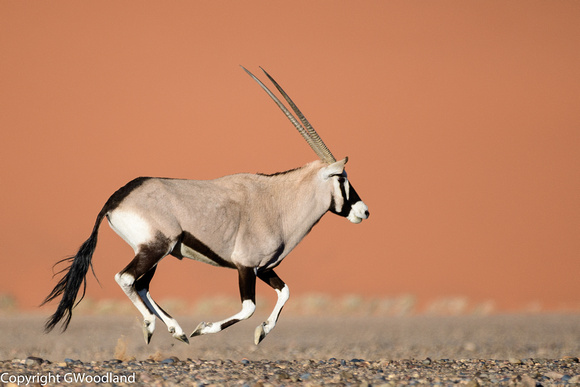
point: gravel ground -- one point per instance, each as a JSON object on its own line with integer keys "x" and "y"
{"x": 109, "y": 350}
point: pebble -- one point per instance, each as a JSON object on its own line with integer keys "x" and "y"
{"x": 357, "y": 372}
{"x": 32, "y": 360}
{"x": 554, "y": 375}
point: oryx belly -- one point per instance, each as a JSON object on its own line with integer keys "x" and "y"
{"x": 193, "y": 248}
{"x": 190, "y": 253}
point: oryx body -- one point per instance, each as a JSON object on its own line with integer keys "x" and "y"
{"x": 248, "y": 222}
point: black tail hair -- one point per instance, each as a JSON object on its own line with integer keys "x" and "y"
{"x": 70, "y": 283}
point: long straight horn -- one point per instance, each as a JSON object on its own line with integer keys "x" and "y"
{"x": 309, "y": 134}
{"x": 327, "y": 155}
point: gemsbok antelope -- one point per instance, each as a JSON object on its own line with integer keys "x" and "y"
{"x": 247, "y": 222}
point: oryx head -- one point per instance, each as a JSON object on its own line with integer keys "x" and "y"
{"x": 344, "y": 200}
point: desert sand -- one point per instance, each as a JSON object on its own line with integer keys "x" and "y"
{"x": 517, "y": 349}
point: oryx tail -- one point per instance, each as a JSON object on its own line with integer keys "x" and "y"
{"x": 75, "y": 276}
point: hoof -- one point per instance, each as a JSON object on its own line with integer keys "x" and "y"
{"x": 146, "y": 332}
{"x": 199, "y": 330}
{"x": 182, "y": 338}
{"x": 179, "y": 336}
{"x": 147, "y": 336}
{"x": 259, "y": 334}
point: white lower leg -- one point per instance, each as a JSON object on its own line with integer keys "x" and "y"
{"x": 172, "y": 325}
{"x": 265, "y": 328}
{"x": 248, "y": 308}
{"x": 126, "y": 282}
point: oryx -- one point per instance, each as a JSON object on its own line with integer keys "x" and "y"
{"x": 247, "y": 222}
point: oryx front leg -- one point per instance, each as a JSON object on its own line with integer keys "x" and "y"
{"x": 283, "y": 292}
{"x": 247, "y": 283}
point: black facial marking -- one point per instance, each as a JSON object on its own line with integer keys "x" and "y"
{"x": 353, "y": 198}
{"x": 347, "y": 205}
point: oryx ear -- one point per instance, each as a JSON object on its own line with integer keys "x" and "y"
{"x": 334, "y": 169}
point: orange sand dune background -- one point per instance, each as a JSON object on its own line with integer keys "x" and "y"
{"x": 460, "y": 119}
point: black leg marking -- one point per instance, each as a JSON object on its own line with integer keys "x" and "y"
{"x": 146, "y": 259}
{"x": 142, "y": 288}
{"x": 271, "y": 279}
{"x": 247, "y": 283}
{"x": 135, "y": 279}
{"x": 229, "y": 323}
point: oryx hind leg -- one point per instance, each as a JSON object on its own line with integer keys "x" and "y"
{"x": 247, "y": 283}
{"x": 283, "y": 292}
{"x": 126, "y": 282}
{"x": 135, "y": 278}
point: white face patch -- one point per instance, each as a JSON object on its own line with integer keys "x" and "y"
{"x": 131, "y": 227}
{"x": 358, "y": 212}
{"x": 337, "y": 196}
{"x": 345, "y": 200}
